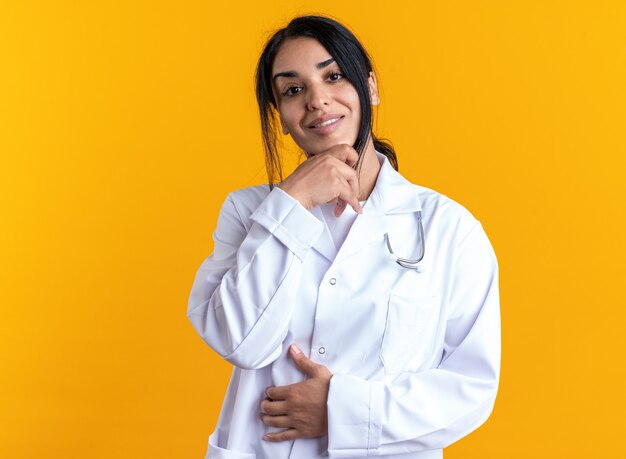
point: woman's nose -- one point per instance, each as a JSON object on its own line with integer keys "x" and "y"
{"x": 317, "y": 97}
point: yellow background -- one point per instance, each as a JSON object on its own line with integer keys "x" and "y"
{"x": 123, "y": 125}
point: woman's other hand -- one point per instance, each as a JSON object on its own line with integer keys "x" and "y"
{"x": 298, "y": 408}
{"x": 325, "y": 177}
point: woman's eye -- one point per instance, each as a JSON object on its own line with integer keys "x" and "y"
{"x": 335, "y": 76}
{"x": 292, "y": 91}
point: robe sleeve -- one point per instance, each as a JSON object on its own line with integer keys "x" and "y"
{"x": 244, "y": 293}
{"x": 433, "y": 408}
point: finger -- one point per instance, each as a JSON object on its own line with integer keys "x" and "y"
{"x": 273, "y": 408}
{"x": 346, "y": 192}
{"x": 351, "y": 176}
{"x": 277, "y": 393}
{"x": 289, "y": 434}
{"x": 305, "y": 364}
{"x": 344, "y": 153}
{"x": 340, "y": 207}
{"x": 276, "y": 421}
{"x": 342, "y": 203}
{"x": 353, "y": 179}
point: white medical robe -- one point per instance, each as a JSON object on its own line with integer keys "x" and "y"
{"x": 415, "y": 354}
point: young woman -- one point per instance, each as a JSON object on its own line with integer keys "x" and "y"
{"x": 360, "y": 311}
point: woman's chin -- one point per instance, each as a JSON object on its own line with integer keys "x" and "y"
{"x": 324, "y": 147}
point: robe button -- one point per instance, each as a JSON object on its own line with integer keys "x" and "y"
{"x": 332, "y": 281}
{"x": 322, "y": 350}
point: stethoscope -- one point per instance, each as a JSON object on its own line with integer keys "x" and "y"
{"x": 407, "y": 262}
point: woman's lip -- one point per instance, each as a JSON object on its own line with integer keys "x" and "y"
{"x": 327, "y": 126}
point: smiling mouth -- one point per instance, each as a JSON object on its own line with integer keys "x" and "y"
{"x": 326, "y": 123}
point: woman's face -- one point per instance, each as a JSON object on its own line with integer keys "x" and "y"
{"x": 318, "y": 106}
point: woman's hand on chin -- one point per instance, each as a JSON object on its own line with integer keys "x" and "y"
{"x": 324, "y": 177}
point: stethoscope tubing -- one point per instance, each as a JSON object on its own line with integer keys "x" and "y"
{"x": 407, "y": 262}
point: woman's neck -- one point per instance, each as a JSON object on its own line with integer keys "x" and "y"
{"x": 370, "y": 167}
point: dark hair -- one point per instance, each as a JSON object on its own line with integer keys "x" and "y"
{"x": 353, "y": 61}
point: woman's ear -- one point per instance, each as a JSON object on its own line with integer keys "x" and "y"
{"x": 373, "y": 89}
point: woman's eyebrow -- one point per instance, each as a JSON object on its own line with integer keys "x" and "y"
{"x": 291, "y": 73}
{"x": 325, "y": 63}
